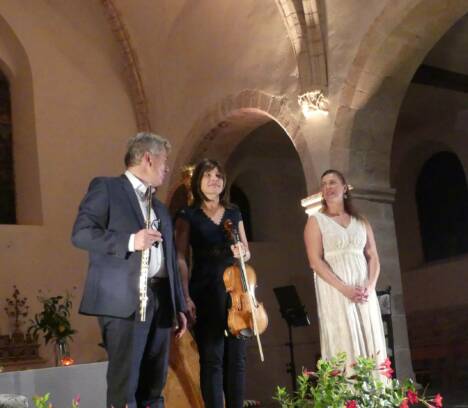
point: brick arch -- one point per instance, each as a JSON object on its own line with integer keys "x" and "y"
{"x": 254, "y": 107}
{"x": 302, "y": 20}
{"x": 370, "y": 99}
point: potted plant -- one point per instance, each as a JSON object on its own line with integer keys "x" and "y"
{"x": 53, "y": 322}
{"x": 366, "y": 387}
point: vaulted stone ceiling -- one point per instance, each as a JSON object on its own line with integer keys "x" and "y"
{"x": 451, "y": 52}
{"x": 214, "y": 41}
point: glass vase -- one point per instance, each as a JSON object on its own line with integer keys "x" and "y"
{"x": 62, "y": 354}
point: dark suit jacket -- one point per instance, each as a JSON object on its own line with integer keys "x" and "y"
{"x": 108, "y": 214}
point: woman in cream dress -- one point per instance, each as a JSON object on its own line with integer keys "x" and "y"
{"x": 342, "y": 252}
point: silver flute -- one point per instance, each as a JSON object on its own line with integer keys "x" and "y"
{"x": 145, "y": 263}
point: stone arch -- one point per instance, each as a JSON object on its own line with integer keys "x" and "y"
{"x": 14, "y": 63}
{"x": 372, "y": 93}
{"x": 133, "y": 74}
{"x": 249, "y": 109}
{"x": 404, "y": 179}
{"x": 442, "y": 216}
{"x": 303, "y": 23}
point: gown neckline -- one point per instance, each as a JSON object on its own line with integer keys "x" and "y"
{"x": 211, "y": 219}
{"x": 337, "y": 223}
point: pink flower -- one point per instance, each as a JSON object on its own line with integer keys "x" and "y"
{"x": 404, "y": 404}
{"x": 307, "y": 373}
{"x": 412, "y": 397}
{"x": 388, "y": 372}
{"x": 386, "y": 364}
{"x": 351, "y": 404}
{"x": 386, "y": 368}
{"x": 335, "y": 373}
{"x": 438, "y": 400}
{"x": 76, "y": 401}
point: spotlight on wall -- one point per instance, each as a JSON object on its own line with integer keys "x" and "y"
{"x": 313, "y": 203}
{"x": 313, "y": 102}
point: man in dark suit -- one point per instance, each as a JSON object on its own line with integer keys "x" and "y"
{"x": 111, "y": 226}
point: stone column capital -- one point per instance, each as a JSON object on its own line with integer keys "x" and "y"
{"x": 376, "y": 194}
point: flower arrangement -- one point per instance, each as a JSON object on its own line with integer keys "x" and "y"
{"x": 54, "y": 320}
{"x": 54, "y": 324}
{"x": 43, "y": 402}
{"x": 331, "y": 387}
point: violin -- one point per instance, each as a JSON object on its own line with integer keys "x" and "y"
{"x": 246, "y": 316}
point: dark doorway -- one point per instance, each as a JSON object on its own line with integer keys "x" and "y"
{"x": 7, "y": 180}
{"x": 442, "y": 201}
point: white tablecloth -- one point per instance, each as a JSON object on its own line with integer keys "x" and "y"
{"x": 63, "y": 383}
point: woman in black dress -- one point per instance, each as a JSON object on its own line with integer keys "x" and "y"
{"x": 222, "y": 358}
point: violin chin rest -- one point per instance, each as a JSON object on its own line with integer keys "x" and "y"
{"x": 246, "y": 333}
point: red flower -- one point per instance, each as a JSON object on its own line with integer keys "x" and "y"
{"x": 351, "y": 404}
{"x": 412, "y": 397}
{"x": 404, "y": 404}
{"x": 335, "y": 373}
{"x": 388, "y": 372}
{"x": 438, "y": 400}
{"x": 386, "y": 368}
{"x": 307, "y": 373}
{"x": 386, "y": 364}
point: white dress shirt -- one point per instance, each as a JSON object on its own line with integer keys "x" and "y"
{"x": 157, "y": 267}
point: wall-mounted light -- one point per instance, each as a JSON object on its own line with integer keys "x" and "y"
{"x": 313, "y": 203}
{"x": 313, "y": 102}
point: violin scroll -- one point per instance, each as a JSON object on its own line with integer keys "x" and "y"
{"x": 228, "y": 225}
{"x": 231, "y": 231}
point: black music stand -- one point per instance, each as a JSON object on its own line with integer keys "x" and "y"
{"x": 293, "y": 311}
{"x": 385, "y": 303}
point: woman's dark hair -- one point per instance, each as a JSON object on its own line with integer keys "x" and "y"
{"x": 198, "y": 196}
{"x": 347, "y": 200}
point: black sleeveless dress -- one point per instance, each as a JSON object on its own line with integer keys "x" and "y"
{"x": 222, "y": 359}
{"x": 211, "y": 255}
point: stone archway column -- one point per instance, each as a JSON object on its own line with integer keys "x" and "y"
{"x": 377, "y": 206}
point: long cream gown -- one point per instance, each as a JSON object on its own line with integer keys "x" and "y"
{"x": 354, "y": 328}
